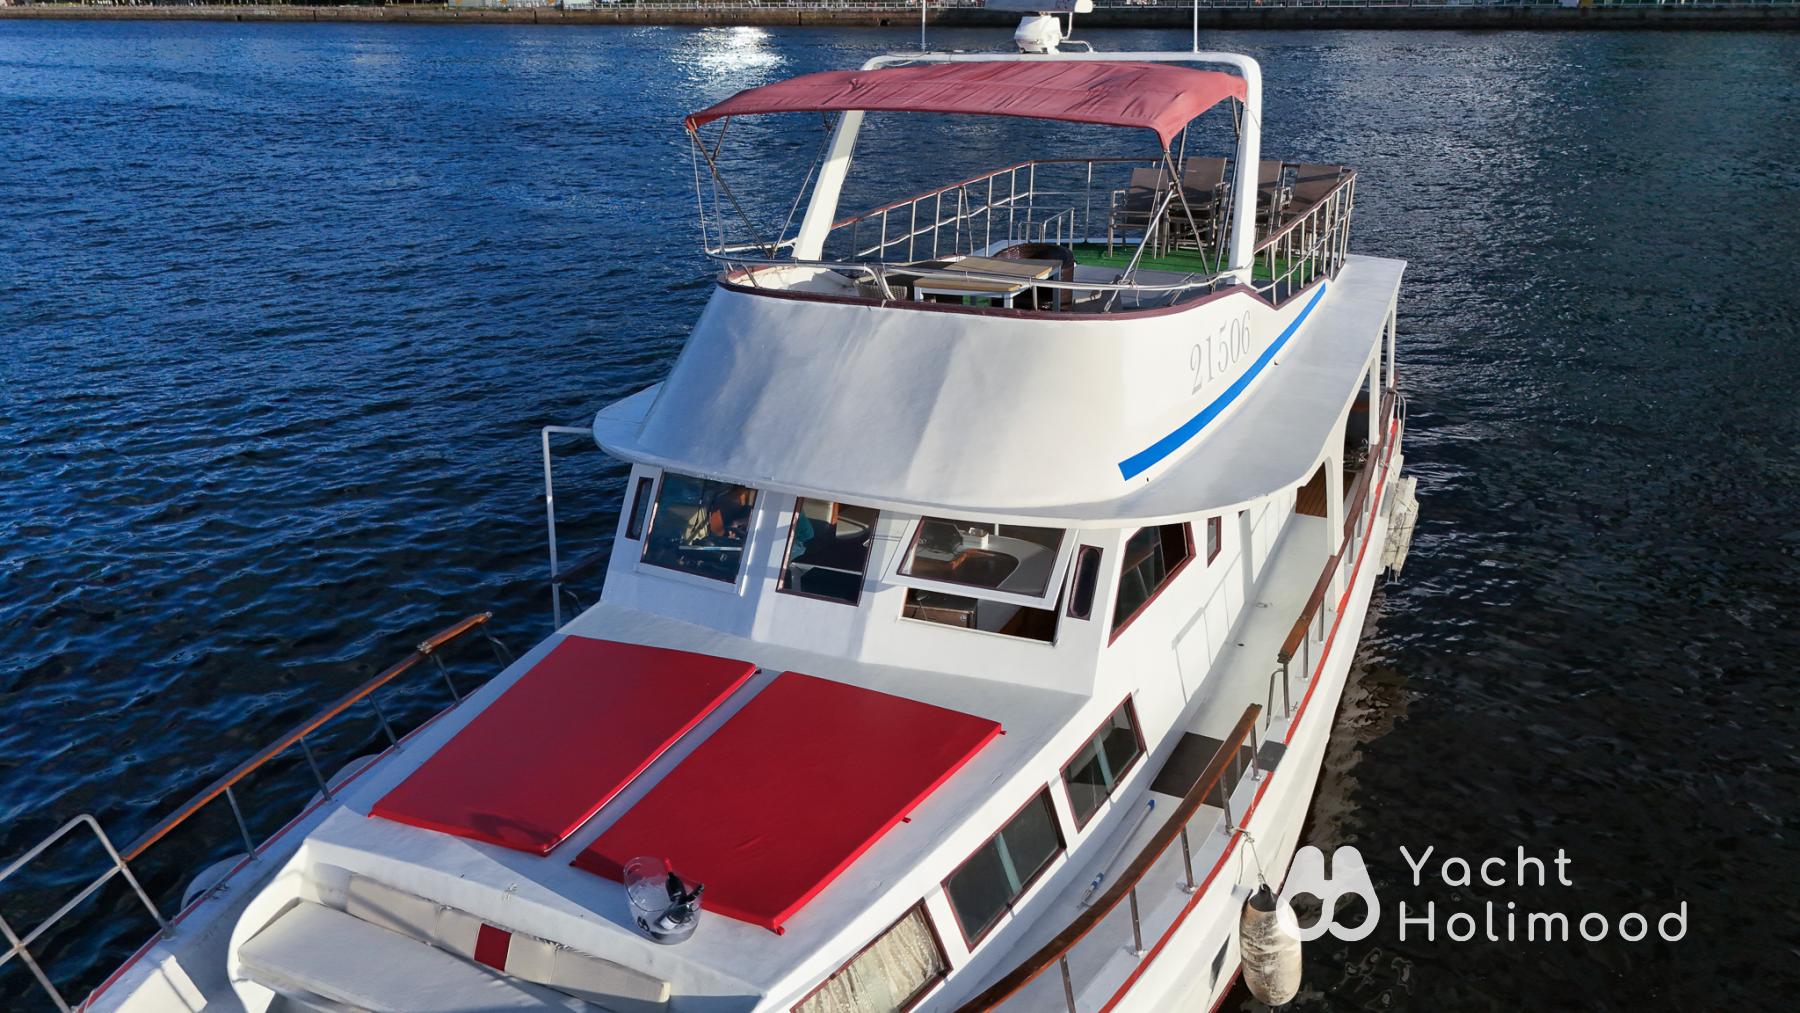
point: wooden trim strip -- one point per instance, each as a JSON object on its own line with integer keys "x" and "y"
{"x": 299, "y": 731}
{"x": 1076, "y": 930}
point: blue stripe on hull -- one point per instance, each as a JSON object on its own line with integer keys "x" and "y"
{"x": 1144, "y": 459}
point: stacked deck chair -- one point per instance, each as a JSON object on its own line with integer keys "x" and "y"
{"x": 1203, "y": 187}
{"x": 1271, "y": 196}
{"x": 1134, "y": 208}
{"x": 1311, "y": 184}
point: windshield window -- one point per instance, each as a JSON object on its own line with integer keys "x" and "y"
{"x": 699, "y": 527}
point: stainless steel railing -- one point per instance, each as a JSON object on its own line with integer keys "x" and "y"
{"x": 226, "y": 786}
{"x": 1061, "y": 201}
{"x": 1016, "y": 203}
{"x": 1310, "y": 244}
{"x": 20, "y": 946}
{"x": 1138, "y": 906}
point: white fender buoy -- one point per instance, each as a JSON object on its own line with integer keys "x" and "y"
{"x": 1270, "y": 955}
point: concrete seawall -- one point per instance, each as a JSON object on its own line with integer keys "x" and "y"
{"x": 1774, "y": 17}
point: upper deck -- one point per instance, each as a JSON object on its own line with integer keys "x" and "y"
{"x": 1051, "y": 238}
{"x": 1098, "y": 234}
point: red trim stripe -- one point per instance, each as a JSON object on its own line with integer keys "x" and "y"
{"x": 1324, "y": 656}
{"x": 491, "y": 946}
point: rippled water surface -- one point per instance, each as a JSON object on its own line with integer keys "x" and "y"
{"x": 282, "y": 308}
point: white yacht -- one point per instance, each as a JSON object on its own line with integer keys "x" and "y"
{"x": 989, "y": 571}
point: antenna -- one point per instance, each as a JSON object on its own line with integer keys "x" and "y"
{"x": 1041, "y": 31}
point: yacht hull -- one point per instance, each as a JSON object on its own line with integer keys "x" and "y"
{"x": 1199, "y": 959}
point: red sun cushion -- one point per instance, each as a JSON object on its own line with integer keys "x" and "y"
{"x": 561, "y": 742}
{"x": 792, "y": 789}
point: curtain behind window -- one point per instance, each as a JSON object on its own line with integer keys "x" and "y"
{"x": 893, "y": 971}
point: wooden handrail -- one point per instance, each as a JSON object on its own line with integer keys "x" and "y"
{"x": 1297, "y": 635}
{"x": 1353, "y": 504}
{"x": 1064, "y": 941}
{"x": 299, "y": 731}
{"x": 1359, "y": 491}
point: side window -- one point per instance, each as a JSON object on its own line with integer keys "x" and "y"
{"x": 640, "y": 507}
{"x": 1024, "y": 562}
{"x": 1215, "y": 539}
{"x": 1102, "y": 763}
{"x": 1153, "y": 556}
{"x": 968, "y": 613}
{"x": 828, "y": 550}
{"x": 984, "y": 887}
{"x": 891, "y": 974}
{"x": 699, "y": 526}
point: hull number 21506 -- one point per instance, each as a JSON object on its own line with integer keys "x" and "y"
{"x": 1216, "y": 356}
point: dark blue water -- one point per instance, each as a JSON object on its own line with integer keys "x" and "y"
{"x": 282, "y": 307}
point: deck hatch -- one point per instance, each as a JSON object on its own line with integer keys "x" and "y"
{"x": 787, "y": 793}
{"x": 561, "y": 742}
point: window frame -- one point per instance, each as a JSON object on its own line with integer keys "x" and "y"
{"x": 925, "y": 990}
{"x": 1119, "y": 627}
{"x": 1082, "y": 554}
{"x": 787, "y": 547}
{"x": 752, "y": 540}
{"x": 1093, "y": 739}
{"x": 1026, "y": 885}
{"x": 1053, "y": 583}
{"x": 1215, "y": 538}
{"x": 639, "y": 509}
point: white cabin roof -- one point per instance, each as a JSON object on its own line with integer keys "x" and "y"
{"x": 999, "y": 416}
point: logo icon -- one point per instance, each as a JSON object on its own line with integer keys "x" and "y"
{"x": 1308, "y": 876}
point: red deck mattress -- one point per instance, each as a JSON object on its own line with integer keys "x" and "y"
{"x": 787, "y": 793}
{"x": 563, "y": 740}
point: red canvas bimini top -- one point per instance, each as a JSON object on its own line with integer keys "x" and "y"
{"x": 1155, "y": 96}
{"x": 561, "y": 742}
{"x": 784, "y": 796}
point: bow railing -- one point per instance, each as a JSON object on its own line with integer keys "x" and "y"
{"x": 120, "y": 860}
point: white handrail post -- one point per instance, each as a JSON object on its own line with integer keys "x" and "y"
{"x": 550, "y": 516}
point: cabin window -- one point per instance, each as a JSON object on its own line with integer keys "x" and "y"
{"x": 1153, "y": 556}
{"x": 1086, "y": 582}
{"x": 987, "y": 884}
{"x": 1215, "y": 539}
{"x": 828, "y": 550}
{"x": 891, "y": 974}
{"x": 968, "y": 613}
{"x": 640, "y": 505}
{"x": 699, "y": 527}
{"x": 1102, "y": 763}
{"x": 1019, "y": 562}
